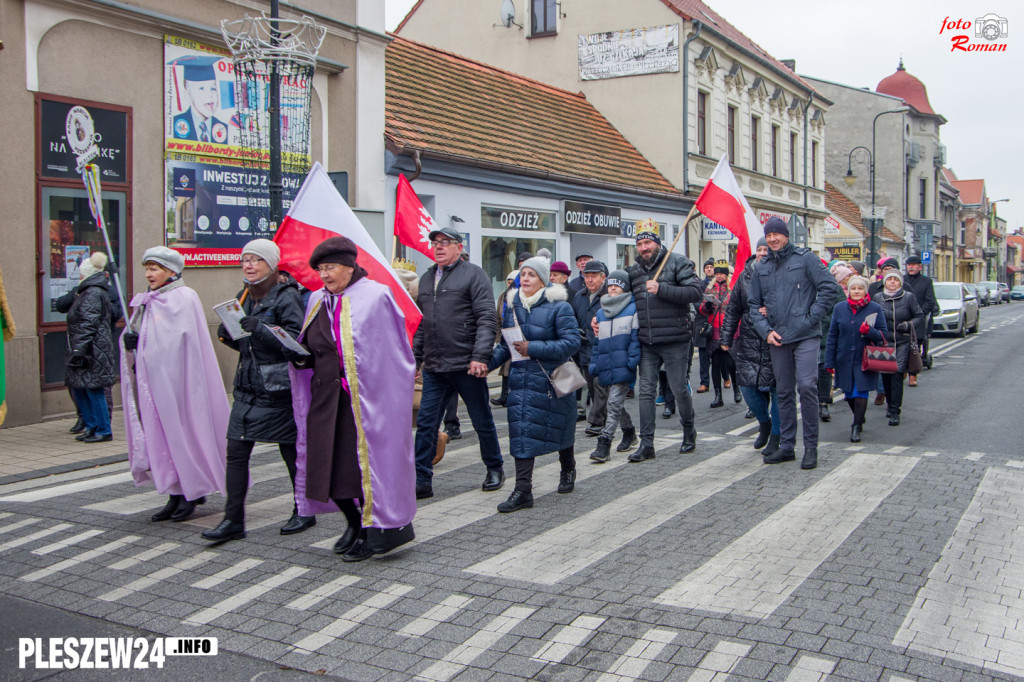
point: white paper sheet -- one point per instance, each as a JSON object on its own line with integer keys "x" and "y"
{"x": 511, "y": 335}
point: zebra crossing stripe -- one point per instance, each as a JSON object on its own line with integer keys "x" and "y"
{"x": 464, "y": 654}
{"x": 228, "y": 605}
{"x": 569, "y": 548}
{"x": 352, "y": 618}
{"x": 322, "y": 592}
{"x": 631, "y": 665}
{"x": 435, "y": 616}
{"x": 811, "y": 669}
{"x": 156, "y": 576}
{"x": 971, "y": 606}
{"x": 146, "y": 555}
{"x": 38, "y": 535}
{"x": 18, "y": 524}
{"x": 226, "y": 574}
{"x": 68, "y": 488}
{"x": 719, "y": 662}
{"x": 81, "y": 558}
{"x": 68, "y": 542}
{"x": 263, "y": 513}
{"x": 568, "y": 638}
{"x": 755, "y": 574}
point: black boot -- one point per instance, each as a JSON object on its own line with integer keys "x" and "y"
{"x": 773, "y": 446}
{"x": 689, "y": 440}
{"x": 764, "y": 430}
{"x": 79, "y": 426}
{"x": 567, "y": 481}
{"x": 780, "y": 456}
{"x": 894, "y": 417}
{"x": 855, "y": 433}
{"x": 645, "y": 452}
{"x": 172, "y": 505}
{"x": 717, "y": 402}
{"x": 603, "y": 452}
{"x": 823, "y": 413}
{"x": 345, "y": 542}
{"x": 736, "y": 394}
{"x": 185, "y": 508}
{"x": 297, "y": 523}
{"x": 810, "y": 460}
{"x": 519, "y": 499}
{"x": 629, "y": 440}
{"x": 225, "y": 530}
{"x": 88, "y": 433}
{"x": 501, "y": 399}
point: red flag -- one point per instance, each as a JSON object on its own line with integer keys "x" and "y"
{"x": 722, "y": 201}
{"x": 318, "y": 213}
{"x": 413, "y": 224}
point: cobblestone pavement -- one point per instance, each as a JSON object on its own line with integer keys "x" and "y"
{"x": 887, "y": 562}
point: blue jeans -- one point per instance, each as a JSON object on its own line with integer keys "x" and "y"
{"x": 438, "y": 389}
{"x": 93, "y": 405}
{"x": 757, "y": 400}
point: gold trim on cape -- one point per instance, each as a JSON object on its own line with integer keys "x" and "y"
{"x": 351, "y": 374}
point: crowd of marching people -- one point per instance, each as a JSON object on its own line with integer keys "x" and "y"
{"x": 321, "y": 374}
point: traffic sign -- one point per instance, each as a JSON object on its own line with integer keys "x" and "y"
{"x": 926, "y": 256}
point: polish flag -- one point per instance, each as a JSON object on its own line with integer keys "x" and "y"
{"x": 413, "y": 224}
{"x": 724, "y": 203}
{"x": 318, "y": 213}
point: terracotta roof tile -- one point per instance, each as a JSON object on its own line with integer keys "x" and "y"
{"x": 971, "y": 191}
{"x": 949, "y": 175}
{"x": 843, "y": 206}
{"x": 447, "y": 105}
{"x": 908, "y": 88}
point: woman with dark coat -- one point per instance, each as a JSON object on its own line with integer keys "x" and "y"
{"x": 262, "y": 409}
{"x": 91, "y": 363}
{"x": 753, "y": 359}
{"x": 539, "y": 421}
{"x": 848, "y": 333}
{"x": 901, "y": 311}
{"x": 722, "y": 367}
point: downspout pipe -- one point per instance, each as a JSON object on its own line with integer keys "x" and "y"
{"x": 686, "y": 104}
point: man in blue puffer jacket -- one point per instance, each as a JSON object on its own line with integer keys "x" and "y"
{"x": 614, "y": 360}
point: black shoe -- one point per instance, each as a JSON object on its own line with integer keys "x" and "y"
{"x": 494, "y": 480}
{"x": 894, "y": 418}
{"x": 567, "y": 481}
{"x": 644, "y": 453}
{"x": 629, "y": 440}
{"x": 810, "y": 460}
{"x": 225, "y": 530}
{"x": 424, "y": 491}
{"x": 594, "y": 430}
{"x": 88, "y": 433}
{"x": 748, "y": 415}
{"x": 689, "y": 440}
{"x": 855, "y": 433}
{"x": 717, "y": 402}
{"x": 668, "y": 411}
{"x": 347, "y": 539}
{"x": 764, "y": 430}
{"x": 519, "y": 499}
{"x": 78, "y": 427}
{"x": 581, "y": 417}
{"x": 736, "y": 395}
{"x": 297, "y": 524}
{"x": 780, "y": 456}
{"x": 500, "y": 400}
{"x": 186, "y": 508}
{"x": 772, "y": 447}
{"x": 603, "y": 452}
{"x": 823, "y": 413}
{"x": 172, "y": 504}
{"x": 97, "y": 438}
{"x": 630, "y": 394}
{"x": 454, "y": 434}
{"x": 360, "y": 551}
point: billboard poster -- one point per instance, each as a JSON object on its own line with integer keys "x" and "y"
{"x": 58, "y": 131}
{"x": 630, "y": 52}
{"x": 206, "y": 205}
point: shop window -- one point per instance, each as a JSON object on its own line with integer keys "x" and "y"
{"x": 625, "y": 256}
{"x": 498, "y": 255}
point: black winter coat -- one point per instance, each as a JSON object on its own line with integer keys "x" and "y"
{"x": 458, "y": 324}
{"x": 797, "y": 290}
{"x": 903, "y": 307}
{"x": 665, "y": 316}
{"x": 751, "y": 353}
{"x": 90, "y": 337}
{"x": 585, "y": 311}
{"x": 921, "y": 286}
{"x": 262, "y": 410}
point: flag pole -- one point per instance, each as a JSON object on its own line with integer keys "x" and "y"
{"x": 682, "y": 229}
{"x": 91, "y": 178}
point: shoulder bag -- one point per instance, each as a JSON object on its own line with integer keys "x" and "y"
{"x": 915, "y": 364}
{"x": 881, "y": 359}
{"x": 564, "y": 379}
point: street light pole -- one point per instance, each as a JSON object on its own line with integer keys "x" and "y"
{"x": 874, "y": 220}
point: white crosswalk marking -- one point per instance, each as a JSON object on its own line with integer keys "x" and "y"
{"x": 566, "y": 549}
{"x": 568, "y": 638}
{"x": 719, "y": 662}
{"x": 435, "y": 616}
{"x": 4, "y": 515}
{"x": 18, "y": 524}
{"x": 146, "y": 555}
{"x": 81, "y": 558}
{"x": 930, "y": 453}
{"x": 226, "y": 574}
{"x": 68, "y": 542}
{"x": 464, "y": 654}
{"x": 896, "y": 449}
{"x": 975, "y": 456}
{"x": 263, "y": 513}
{"x": 68, "y": 488}
{"x": 757, "y": 572}
{"x": 38, "y": 535}
{"x": 244, "y": 597}
{"x": 352, "y": 618}
{"x": 631, "y": 665}
{"x": 811, "y": 669}
{"x": 972, "y": 605}
{"x": 322, "y": 592}
{"x": 156, "y": 576}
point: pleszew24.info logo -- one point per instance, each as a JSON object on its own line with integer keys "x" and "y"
{"x": 984, "y": 34}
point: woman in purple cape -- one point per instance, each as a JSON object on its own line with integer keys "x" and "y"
{"x": 353, "y": 407}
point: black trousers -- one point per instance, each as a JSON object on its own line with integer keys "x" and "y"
{"x": 524, "y": 468}
{"x": 722, "y": 366}
{"x": 859, "y": 407}
{"x": 237, "y": 475}
{"x": 824, "y": 386}
{"x": 451, "y": 414}
{"x": 893, "y": 385}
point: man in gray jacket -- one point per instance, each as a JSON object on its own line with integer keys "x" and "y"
{"x": 790, "y": 292}
{"x": 452, "y": 347}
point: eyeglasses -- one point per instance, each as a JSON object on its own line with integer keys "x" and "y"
{"x": 329, "y": 267}
{"x": 443, "y": 243}
{"x": 252, "y": 261}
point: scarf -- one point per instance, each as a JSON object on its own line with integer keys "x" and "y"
{"x": 856, "y": 306}
{"x": 613, "y": 305}
{"x": 530, "y": 301}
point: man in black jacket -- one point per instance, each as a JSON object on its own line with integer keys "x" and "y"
{"x": 585, "y": 305}
{"x": 663, "y": 307}
{"x": 790, "y": 292}
{"x": 452, "y": 348}
{"x": 921, "y": 285}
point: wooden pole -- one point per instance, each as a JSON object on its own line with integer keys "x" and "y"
{"x": 686, "y": 222}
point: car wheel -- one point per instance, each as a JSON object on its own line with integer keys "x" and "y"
{"x": 961, "y": 329}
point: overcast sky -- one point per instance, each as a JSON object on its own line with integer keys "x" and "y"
{"x": 860, "y": 43}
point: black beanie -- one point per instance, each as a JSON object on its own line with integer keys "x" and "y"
{"x": 776, "y": 225}
{"x": 334, "y": 250}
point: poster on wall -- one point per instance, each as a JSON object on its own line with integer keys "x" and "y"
{"x": 57, "y": 157}
{"x": 630, "y": 52}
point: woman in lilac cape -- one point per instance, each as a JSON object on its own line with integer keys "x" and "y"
{"x": 353, "y": 407}
{"x": 175, "y": 407}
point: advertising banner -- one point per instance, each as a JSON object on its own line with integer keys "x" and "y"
{"x": 57, "y": 131}
{"x": 200, "y": 115}
{"x": 630, "y": 52}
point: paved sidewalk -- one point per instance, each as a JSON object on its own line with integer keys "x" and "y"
{"x": 47, "y": 448}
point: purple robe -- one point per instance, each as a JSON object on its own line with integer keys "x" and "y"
{"x": 380, "y": 372}
{"x": 175, "y": 406}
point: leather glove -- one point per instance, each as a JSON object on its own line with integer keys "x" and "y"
{"x": 77, "y": 359}
{"x": 865, "y": 327}
{"x": 902, "y": 327}
{"x": 131, "y": 340}
{"x": 250, "y": 323}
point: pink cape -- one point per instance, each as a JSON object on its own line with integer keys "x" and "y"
{"x": 385, "y": 372}
{"x": 176, "y": 424}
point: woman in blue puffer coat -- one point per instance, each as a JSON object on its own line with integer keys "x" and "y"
{"x": 539, "y": 421}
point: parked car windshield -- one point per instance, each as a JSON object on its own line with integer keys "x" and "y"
{"x": 1019, "y": 287}
{"x": 947, "y": 291}
{"x": 990, "y": 285}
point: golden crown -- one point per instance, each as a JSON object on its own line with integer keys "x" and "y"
{"x": 403, "y": 264}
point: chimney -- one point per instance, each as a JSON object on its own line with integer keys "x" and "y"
{"x": 790, "y": 64}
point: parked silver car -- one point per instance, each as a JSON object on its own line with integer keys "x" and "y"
{"x": 993, "y": 292}
{"x": 980, "y": 292}
{"x": 958, "y": 309}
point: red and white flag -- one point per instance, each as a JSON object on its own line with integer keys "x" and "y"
{"x": 413, "y": 224}
{"x": 318, "y": 213}
{"x": 724, "y": 203}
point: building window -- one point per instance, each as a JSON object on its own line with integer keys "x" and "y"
{"x": 923, "y": 203}
{"x": 702, "y": 123}
{"x": 792, "y": 157}
{"x": 814, "y": 164}
{"x": 775, "y": 151}
{"x": 755, "y": 133}
{"x": 732, "y": 135}
{"x": 543, "y": 18}
{"x": 963, "y": 233}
